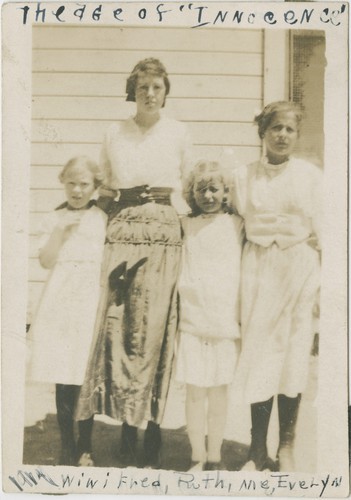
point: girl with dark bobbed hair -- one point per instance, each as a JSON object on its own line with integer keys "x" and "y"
{"x": 279, "y": 198}
{"x": 143, "y": 159}
{"x": 152, "y": 67}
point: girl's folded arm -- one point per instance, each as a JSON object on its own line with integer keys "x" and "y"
{"x": 49, "y": 252}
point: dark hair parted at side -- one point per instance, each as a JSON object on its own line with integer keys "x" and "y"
{"x": 83, "y": 162}
{"x": 150, "y": 66}
{"x": 266, "y": 116}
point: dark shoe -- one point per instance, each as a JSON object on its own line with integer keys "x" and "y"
{"x": 128, "y": 443}
{"x": 270, "y": 465}
{"x": 152, "y": 446}
{"x": 68, "y": 456}
{"x": 152, "y": 463}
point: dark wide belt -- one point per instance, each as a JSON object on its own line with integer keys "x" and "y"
{"x": 139, "y": 195}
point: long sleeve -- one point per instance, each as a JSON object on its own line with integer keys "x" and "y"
{"x": 187, "y": 162}
{"x": 238, "y": 189}
{"x": 110, "y": 180}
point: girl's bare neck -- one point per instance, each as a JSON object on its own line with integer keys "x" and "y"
{"x": 145, "y": 121}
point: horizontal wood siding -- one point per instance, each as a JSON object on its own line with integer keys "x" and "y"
{"x": 194, "y": 109}
{"x": 78, "y": 86}
{"x": 149, "y": 39}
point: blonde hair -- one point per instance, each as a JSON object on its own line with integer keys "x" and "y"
{"x": 204, "y": 169}
{"x": 80, "y": 162}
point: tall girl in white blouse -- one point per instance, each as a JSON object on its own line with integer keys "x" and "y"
{"x": 130, "y": 366}
{"x": 279, "y": 198}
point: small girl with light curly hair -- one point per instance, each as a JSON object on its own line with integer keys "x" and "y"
{"x": 208, "y": 290}
{"x": 71, "y": 243}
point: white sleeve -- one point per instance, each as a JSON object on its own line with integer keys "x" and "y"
{"x": 238, "y": 189}
{"x": 45, "y": 229}
{"x": 187, "y": 159}
{"x": 110, "y": 180}
{"x": 317, "y": 203}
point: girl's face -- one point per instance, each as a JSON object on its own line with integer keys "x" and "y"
{"x": 79, "y": 187}
{"x": 209, "y": 195}
{"x": 281, "y": 136}
{"x": 150, "y": 93}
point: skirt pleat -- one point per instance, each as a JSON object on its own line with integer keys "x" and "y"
{"x": 130, "y": 364}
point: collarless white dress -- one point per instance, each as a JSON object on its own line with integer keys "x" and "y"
{"x": 208, "y": 289}
{"x": 61, "y": 333}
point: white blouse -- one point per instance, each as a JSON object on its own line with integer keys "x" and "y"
{"x": 158, "y": 157}
{"x": 281, "y": 204}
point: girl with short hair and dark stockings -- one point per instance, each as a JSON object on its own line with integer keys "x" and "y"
{"x": 71, "y": 247}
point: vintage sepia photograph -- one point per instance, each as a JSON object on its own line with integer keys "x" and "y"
{"x": 182, "y": 250}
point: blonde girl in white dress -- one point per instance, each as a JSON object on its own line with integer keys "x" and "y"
{"x": 71, "y": 246}
{"x": 279, "y": 198}
{"x": 208, "y": 325}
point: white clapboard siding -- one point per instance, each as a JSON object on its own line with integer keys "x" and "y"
{"x": 33, "y": 246}
{"x": 107, "y": 84}
{"x": 214, "y": 109}
{"x": 121, "y": 61}
{"x": 59, "y": 154}
{"x": 39, "y": 200}
{"x": 147, "y": 39}
{"x": 43, "y": 177}
{"x": 78, "y": 89}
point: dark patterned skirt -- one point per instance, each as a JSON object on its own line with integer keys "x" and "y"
{"x": 129, "y": 369}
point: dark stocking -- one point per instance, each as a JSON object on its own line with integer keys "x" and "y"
{"x": 128, "y": 442}
{"x": 85, "y": 428}
{"x": 260, "y": 416}
{"x": 152, "y": 444}
{"x": 65, "y": 402}
{"x": 288, "y": 409}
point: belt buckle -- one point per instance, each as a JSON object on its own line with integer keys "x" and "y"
{"x": 143, "y": 197}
